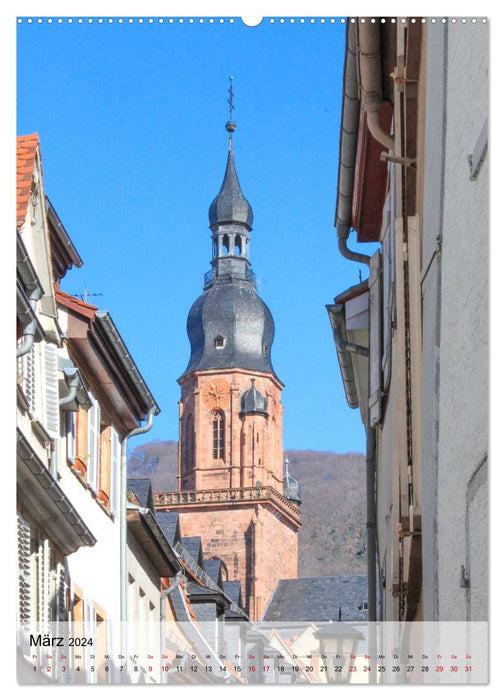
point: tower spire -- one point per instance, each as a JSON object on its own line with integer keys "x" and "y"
{"x": 230, "y": 125}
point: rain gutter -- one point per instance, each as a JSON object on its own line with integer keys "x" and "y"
{"x": 63, "y": 236}
{"x": 76, "y": 390}
{"x": 107, "y": 326}
{"x": 361, "y": 82}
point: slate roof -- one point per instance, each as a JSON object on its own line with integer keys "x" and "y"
{"x": 212, "y": 567}
{"x": 193, "y": 546}
{"x": 236, "y": 312}
{"x": 318, "y": 599}
{"x": 142, "y": 489}
{"x": 233, "y": 591}
{"x": 169, "y": 524}
{"x": 230, "y": 204}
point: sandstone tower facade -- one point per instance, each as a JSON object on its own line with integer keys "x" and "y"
{"x": 233, "y": 490}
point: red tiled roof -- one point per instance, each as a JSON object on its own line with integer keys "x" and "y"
{"x": 75, "y": 304}
{"x": 25, "y": 162}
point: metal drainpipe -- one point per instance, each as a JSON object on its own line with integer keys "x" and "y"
{"x": 30, "y": 330}
{"x": 371, "y": 519}
{"x": 342, "y": 344}
{"x": 369, "y": 59}
{"x": 124, "y": 526}
{"x": 351, "y": 254}
{"x": 74, "y": 385}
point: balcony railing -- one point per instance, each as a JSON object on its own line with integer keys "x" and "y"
{"x": 242, "y": 493}
{"x": 212, "y": 277}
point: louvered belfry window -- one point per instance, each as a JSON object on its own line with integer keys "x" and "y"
{"x": 218, "y": 435}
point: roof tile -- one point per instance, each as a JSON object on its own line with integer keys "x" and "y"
{"x": 25, "y": 162}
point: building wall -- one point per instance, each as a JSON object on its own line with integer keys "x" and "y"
{"x": 253, "y": 449}
{"x": 463, "y": 396}
{"x": 256, "y": 544}
{"x": 95, "y": 570}
{"x": 143, "y": 609}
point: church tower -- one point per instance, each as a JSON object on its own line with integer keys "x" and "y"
{"x": 233, "y": 490}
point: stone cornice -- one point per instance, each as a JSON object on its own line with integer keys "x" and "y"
{"x": 178, "y": 500}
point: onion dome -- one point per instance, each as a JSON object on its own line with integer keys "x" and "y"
{"x": 230, "y": 326}
{"x": 252, "y": 401}
{"x": 291, "y": 487}
{"x": 230, "y": 205}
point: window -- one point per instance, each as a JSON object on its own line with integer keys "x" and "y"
{"x": 218, "y": 435}
{"x": 70, "y": 436}
{"x": 219, "y": 342}
{"x": 188, "y": 460}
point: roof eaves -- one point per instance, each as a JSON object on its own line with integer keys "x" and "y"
{"x": 67, "y": 527}
{"x": 106, "y": 324}
{"x": 73, "y": 256}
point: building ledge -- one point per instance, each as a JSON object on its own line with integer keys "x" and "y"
{"x": 47, "y": 502}
{"x": 175, "y": 500}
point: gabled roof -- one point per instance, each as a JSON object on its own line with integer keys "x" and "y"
{"x": 143, "y": 491}
{"x": 318, "y": 599}
{"x": 193, "y": 546}
{"x": 64, "y": 254}
{"x": 233, "y": 590}
{"x": 100, "y": 353}
{"x": 26, "y": 154}
{"x": 169, "y": 524}
{"x": 213, "y": 568}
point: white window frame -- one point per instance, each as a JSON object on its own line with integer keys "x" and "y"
{"x": 70, "y": 436}
{"x": 115, "y": 470}
{"x": 93, "y": 445}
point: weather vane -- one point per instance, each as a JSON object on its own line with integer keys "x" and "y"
{"x": 230, "y": 100}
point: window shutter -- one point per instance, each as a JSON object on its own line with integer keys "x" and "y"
{"x": 43, "y": 582}
{"x": 388, "y": 290}
{"x": 375, "y": 340}
{"x": 62, "y": 592}
{"x": 51, "y": 396}
{"x": 24, "y": 570}
{"x": 26, "y": 372}
{"x": 115, "y": 470}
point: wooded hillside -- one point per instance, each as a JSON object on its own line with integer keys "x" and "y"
{"x": 332, "y": 539}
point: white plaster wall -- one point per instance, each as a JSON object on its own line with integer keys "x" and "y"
{"x": 144, "y": 611}
{"x": 95, "y": 569}
{"x": 464, "y": 324}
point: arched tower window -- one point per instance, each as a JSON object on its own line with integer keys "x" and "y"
{"x": 189, "y": 443}
{"x": 225, "y": 244}
{"x": 238, "y": 245}
{"x": 218, "y": 435}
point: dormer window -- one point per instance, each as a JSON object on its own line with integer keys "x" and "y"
{"x": 219, "y": 342}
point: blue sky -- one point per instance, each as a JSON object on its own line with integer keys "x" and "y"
{"x": 131, "y": 123}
